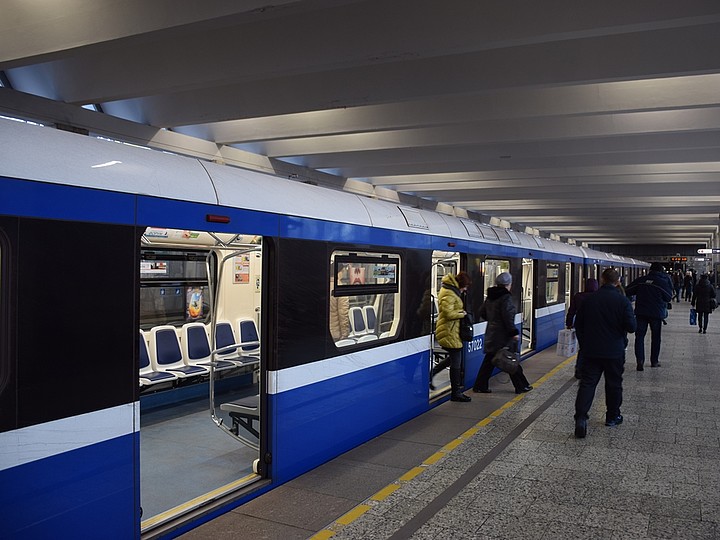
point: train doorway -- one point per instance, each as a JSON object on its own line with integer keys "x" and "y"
{"x": 526, "y": 299}
{"x": 443, "y": 263}
{"x": 200, "y": 297}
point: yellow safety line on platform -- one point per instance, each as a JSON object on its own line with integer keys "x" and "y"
{"x": 385, "y": 492}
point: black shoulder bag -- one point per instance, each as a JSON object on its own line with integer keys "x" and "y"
{"x": 467, "y": 332}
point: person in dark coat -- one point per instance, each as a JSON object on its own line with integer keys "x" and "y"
{"x": 678, "y": 283}
{"x": 601, "y": 324}
{"x": 591, "y": 285}
{"x": 702, "y": 301}
{"x": 688, "y": 283}
{"x": 499, "y": 311}
{"x": 652, "y": 293}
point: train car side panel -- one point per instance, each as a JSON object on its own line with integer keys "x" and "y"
{"x": 325, "y": 409}
{"x": 549, "y": 320}
{"x": 82, "y": 484}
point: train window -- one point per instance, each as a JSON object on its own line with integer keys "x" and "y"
{"x": 364, "y": 297}
{"x": 552, "y": 283}
{"x": 494, "y": 267}
{"x": 173, "y": 287}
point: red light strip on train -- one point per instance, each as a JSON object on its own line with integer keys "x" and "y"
{"x": 215, "y": 218}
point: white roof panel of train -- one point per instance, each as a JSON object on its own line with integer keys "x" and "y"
{"x": 254, "y": 190}
{"x": 46, "y": 154}
{"x": 389, "y": 215}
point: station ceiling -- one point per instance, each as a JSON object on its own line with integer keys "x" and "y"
{"x": 594, "y": 121}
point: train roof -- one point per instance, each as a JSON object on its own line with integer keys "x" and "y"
{"x": 32, "y": 152}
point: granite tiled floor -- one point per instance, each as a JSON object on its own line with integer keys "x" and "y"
{"x": 655, "y": 476}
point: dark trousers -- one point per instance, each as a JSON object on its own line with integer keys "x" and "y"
{"x": 482, "y": 381}
{"x": 702, "y": 320}
{"x": 678, "y": 288}
{"x": 593, "y": 369}
{"x": 655, "y": 339}
{"x": 454, "y": 360}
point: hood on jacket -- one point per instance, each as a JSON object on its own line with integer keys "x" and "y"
{"x": 493, "y": 293}
{"x": 449, "y": 279}
{"x": 591, "y": 285}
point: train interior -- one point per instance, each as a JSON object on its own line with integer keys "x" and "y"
{"x": 200, "y": 304}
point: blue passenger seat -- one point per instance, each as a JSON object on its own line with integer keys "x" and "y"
{"x": 166, "y": 354}
{"x": 228, "y": 347}
{"x": 249, "y": 338}
{"x": 370, "y": 319}
{"x": 357, "y": 322}
{"x": 148, "y": 376}
{"x": 196, "y": 347}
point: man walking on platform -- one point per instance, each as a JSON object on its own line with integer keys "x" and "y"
{"x": 652, "y": 293}
{"x": 601, "y": 325}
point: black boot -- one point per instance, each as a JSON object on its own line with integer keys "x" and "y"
{"x": 456, "y": 384}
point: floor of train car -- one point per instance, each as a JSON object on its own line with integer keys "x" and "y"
{"x": 183, "y": 454}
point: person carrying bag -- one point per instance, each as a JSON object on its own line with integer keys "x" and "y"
{"x": 499, "y": 311}
{"x": 507, "y": 359}
{"x": 451, "y": 313}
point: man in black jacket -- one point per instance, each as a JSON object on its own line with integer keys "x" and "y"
{"x": 601, "y": 325}
{"x": 652, "y": 293}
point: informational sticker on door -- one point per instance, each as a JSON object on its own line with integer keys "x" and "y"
{"x": 241, "y": 269}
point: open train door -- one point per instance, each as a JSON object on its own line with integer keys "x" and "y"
{"x": 200, "y": 432}
{"x": 443, "y": 263}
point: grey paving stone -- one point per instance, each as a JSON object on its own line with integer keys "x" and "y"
{"x": 679, "y": 529}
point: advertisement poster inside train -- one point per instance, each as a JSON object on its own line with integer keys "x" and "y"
{"x": 194, "y": 303}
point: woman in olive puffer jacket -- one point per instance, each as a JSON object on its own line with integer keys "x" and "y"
{"x": 447, "y": 333}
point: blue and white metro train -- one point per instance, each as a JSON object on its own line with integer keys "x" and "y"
{"x": 178, "y": 336}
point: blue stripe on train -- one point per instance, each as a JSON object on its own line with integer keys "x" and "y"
{"x": 315, "y": 423}
{"x": 547, "y": 328}
{"x": 85, "y": 493}
{"x": 53, "y": 201}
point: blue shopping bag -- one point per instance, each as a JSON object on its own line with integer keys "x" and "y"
{"x": 693, "y": 316}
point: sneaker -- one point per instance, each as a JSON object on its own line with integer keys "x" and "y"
{"x": 614, "y": 421}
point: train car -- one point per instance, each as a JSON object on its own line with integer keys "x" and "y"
{"x": 178, "y": 336}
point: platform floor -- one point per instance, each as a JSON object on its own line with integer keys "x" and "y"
{"x": 507, "y": 466}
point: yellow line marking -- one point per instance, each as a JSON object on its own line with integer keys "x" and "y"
{"x": 385, "y": 492}
{"x": 353, "y": 514}
{"x": 412, "y": 473}
{"x": 359, "y": 510}
{"x": 434, "y": 458}
{"x": 322, "y": 535}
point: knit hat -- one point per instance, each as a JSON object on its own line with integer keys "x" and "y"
{"x": 503, "y": 279}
